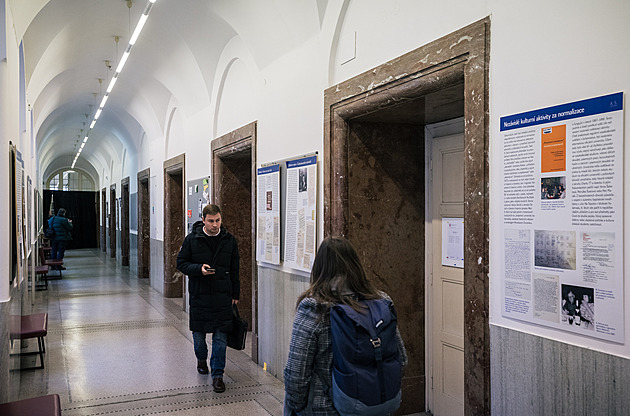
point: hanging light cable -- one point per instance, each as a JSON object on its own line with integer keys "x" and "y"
{"x": 121, "y": 64}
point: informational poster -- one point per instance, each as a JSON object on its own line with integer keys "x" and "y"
{"x": 453, "y": 242}
{"x": 268, "y": 221}
{"x": 198, "y": 196}
{"x": 30, "y": 203}
{"x": 19, "y": 189}
{"x": 301, "y": 209}
{"x": 562, "y": 200}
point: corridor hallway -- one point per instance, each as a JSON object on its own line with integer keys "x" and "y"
{"x": 115, "y": 346}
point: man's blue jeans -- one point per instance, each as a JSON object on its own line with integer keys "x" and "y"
{"x": 58, "y": 249}
{"x": 219, "y": 345}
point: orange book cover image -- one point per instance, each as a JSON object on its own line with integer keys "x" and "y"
{"x": 554, "y": 149}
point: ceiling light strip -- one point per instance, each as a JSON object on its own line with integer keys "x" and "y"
{"x": 121, "y": 64}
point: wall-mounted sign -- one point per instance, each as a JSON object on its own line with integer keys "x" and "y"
{"x": 562, "y": 198}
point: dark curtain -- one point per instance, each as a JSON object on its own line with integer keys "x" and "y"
{"x": 81, "y": 208}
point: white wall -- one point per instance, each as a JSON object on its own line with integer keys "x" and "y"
{"x": 9, "y": 132}
{"x": 545, "y": 54}
{"x": 541, "y": 54}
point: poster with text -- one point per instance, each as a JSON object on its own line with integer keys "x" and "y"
{"x": 562, "y": 200}
{"x": 19, "y": 189}
{"x": 268, "y": 217}
{"x": 301, "y": 208}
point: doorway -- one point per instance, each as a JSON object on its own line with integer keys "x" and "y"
{"x": 374, "y": 185}
{"x": 144, "y": 224}
{"x": 234, "y": 187}
{"x": 174, "y": 225}
{"x": 112, "y": 220}
{"x": 124, "y": 221}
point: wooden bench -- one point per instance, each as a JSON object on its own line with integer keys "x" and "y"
{"x": 37, "y": 406}
{"x": 30, "y": 326}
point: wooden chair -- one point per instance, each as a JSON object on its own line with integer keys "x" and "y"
{"x": 47, "y": 262}
{"x": 41, "y": 270}
{"x": 37, "y": 406}
{"x": 27, "y": 327}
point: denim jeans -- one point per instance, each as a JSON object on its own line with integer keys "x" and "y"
{"x": 58, "y": 249}
{"x": 219, "y": 345}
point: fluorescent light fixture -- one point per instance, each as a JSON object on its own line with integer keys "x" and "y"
{"x": 111, "y": 83}
{"x": 123, "y": 60}
{"x": 136, "y": 33}
{"x": 121, "y": 64}
{"x": 104, "y": 100}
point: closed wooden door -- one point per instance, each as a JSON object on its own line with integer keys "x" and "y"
{"x": 447, "y": 288}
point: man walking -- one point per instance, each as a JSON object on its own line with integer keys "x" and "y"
{"x": 209, "y": 257}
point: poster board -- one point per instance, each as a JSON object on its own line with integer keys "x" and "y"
{"x": 197, "y": 197}
{"x": 268, "y": 215}
{"x": 562, "y": 200}
{"x": 292, "y": 184}
{"x": 16, "y": 168}
{"x": 301, "y": 213}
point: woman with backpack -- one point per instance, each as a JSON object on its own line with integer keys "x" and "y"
{"x": 339, "y": 289}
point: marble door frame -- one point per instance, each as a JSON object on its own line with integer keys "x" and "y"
{"x": 462, "y": 56}
{"x": 243, "y": 139}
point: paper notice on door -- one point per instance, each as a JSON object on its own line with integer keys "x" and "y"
{"x": 453, "y": 242}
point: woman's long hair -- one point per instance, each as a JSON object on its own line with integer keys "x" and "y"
{"x": 337, "y": 276}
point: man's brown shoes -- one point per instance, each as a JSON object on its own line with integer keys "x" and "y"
{"x": 218, "y": 385}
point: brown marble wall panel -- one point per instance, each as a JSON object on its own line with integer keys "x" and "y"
{"x": 236, "y": 208}
{"x": 174, "y": 230}
{"x": 104, "y": 219}
{"x": 386, "y": 224}
{"x": 461, "y": 57}
{"x": 124, "y": 222}
{"x": 144, "y": 225}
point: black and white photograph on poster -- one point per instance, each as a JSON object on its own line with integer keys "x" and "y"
{"x": 303, "y": 184}
{"x": 578, "y": 307}
{"x": 553, "y": 188}
{"x": 555, "y": 249}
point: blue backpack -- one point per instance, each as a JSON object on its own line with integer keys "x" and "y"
{"x": 367, "y": 367}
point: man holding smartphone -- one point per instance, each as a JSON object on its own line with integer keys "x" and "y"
{"x": 209, "y": 257}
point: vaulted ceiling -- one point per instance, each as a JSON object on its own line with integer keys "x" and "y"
{"x": 68, "y": 44}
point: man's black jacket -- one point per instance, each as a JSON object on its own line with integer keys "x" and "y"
{"x": 210, "y": 295}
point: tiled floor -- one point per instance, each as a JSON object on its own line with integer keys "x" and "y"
{"x": 115, "y": 346}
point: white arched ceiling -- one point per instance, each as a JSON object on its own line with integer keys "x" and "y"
{"x": 235, "y": 65}
{"x": 175, "y": 63}
{"x": 235, "y": 104}
{"x": 174, "y": 134}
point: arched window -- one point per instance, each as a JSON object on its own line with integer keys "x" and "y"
{"x": 70, "y": 180}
